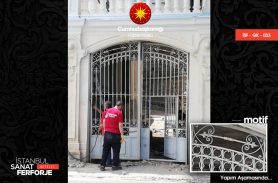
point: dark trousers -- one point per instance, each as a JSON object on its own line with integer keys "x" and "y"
{"x": 113, "y": 141}
{"x": 109, "y": 159}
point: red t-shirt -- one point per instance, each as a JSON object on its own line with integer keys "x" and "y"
{"x": 113, "y": 117}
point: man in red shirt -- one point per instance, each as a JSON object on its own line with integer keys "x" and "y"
{"x": 107, "y": 105}
{"x": 113, "y": 133}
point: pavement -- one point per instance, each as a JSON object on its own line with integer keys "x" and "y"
{"x": 135, "y": 172}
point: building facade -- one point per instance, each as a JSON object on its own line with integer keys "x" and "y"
{"x": 160, "y": 70}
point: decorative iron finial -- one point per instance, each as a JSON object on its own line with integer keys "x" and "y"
{"x": 107, "y": 4}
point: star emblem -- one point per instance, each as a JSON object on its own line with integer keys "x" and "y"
{"x": 140, "y": 13}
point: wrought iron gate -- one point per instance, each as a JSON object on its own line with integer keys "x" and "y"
{"x": 133, "y": 72}
{"x": 165, "y": 75}
{"x": 115, "y": 72}
{"x": 227, "y": 148}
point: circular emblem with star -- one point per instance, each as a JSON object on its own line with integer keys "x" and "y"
{"x": 140, "y": 13}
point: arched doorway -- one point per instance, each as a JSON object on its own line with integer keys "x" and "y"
{"x": 152, "y": 80}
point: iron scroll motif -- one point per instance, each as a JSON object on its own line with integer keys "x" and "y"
{"x": 219, "y": 148}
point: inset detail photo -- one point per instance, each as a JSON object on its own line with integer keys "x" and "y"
{"x": 228, "y": 147}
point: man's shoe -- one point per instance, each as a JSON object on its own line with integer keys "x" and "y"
{"x": 102, "y": 168}
{"x": 108, "y": 165}
{"x": 116, "y": 168}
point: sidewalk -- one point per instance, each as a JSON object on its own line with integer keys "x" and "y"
{"x": 135, "y": 172}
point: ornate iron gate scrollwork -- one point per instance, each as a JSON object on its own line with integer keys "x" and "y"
{"x": 227, "y": 149}
{"x": 165, "y": 75}
{"x": 135, "y": 72}
{"x": 114, "y": 78}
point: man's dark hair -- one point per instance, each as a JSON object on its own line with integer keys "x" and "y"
{"x": 107, "y": 104}
{"x": 119, "y": 103}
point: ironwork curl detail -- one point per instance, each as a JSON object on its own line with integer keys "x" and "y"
{"x": 205, "y": 133}
{"x": 209, "y": 153}
{"x": 252, "y": 145}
